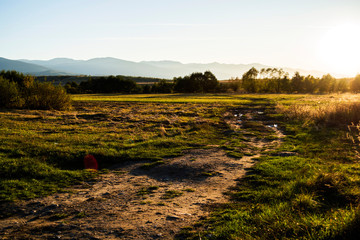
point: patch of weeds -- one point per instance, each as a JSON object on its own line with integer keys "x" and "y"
{"x": 161, "y": 204}
{"x": 147, "y": 190}
{"x": 234, "y": 154}
{"x": 118, "y": 172}
{"x": 81, "y": 214}
{"x": 209, "y": 174}
{"x": 145, "y": 202}
{"x": 58, "y": 216}
{"x": 248, "y": 154}
{"x": 189, "y": 190}
{"x": 192, "y": 160}
{"x": 169, "y": 194}
{"x": 152, "y": 164}
{"x": 104, "y": 171}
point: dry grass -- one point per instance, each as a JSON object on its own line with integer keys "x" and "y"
{"x": 329, "y": 114}
{"x": 354, "y": 136}
{"x": 334, "y": 113}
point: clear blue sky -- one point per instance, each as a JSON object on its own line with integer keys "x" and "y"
{"x": 317, "y": 34}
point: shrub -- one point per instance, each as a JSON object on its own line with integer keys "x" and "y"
{"x": 47, "y": 96}
{"x": 9, "y": 94}
{"x": 22, "y": 91}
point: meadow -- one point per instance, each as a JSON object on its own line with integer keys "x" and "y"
{"x": 311, "y": 192}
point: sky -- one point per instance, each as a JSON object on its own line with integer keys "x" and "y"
{"x": 319, "y": 35}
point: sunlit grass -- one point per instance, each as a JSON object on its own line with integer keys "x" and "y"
{"x": 337, "y": 114}
{"x": 112, "y": 132}
{"x": 313, "y": 194}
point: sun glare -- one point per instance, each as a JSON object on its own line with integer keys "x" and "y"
{"x": 340, "y": 49}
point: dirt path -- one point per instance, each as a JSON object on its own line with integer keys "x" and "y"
{"x": 133, "y": 202}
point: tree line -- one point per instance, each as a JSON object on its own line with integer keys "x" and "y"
{"x": 195, "y": 83}
{"x": 266, "y": 80}
{"x": 273, "y": 80}
{"x": 23, "y": 91}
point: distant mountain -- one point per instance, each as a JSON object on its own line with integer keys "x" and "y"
{"x": 28, "y": 68}
{"x": 156, "y": 69}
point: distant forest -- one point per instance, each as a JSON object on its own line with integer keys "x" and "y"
{"x": 266, "y": 80}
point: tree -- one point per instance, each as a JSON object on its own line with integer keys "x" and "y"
{"x": 163, "y": 87}
{"x": 210, "y": 82}
{"x": 297, "y": 83}
{"x": 342, "y": 86}
{"x": 196, "y": 82}
{"x": 326, "y": 84}
{"x": 249, "y": 80}
{"x": 309, "y": 84}
{"x": 355, "y": 84}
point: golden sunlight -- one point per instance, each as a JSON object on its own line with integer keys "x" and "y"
{"x": 340, "y": 49}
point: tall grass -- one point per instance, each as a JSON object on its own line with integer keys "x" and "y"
{"x": 335, "y": 114}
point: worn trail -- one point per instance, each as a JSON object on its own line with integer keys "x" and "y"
{"x": 133, "y": 202}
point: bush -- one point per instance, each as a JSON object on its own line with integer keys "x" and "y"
{"x": 47, "y": 96}
{"x": 21, "y": 91}
{"x": 9, "y": 94}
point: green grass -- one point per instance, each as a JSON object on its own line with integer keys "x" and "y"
{"x": 169, "y": 194}
{"x": 43, "y": 151}
{"x": 147, "y": 190}
{"x": 311, "y": 195}
{"x": 152, "y": 164}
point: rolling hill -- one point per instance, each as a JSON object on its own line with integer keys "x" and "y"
{"x": 114, "y": 66}
{"x": 27, "y": 67}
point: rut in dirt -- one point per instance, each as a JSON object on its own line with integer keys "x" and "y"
{"x": 130, "y": 202}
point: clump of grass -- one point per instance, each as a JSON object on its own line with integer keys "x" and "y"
{"x": 353, "y": 135}
{"x": 58, "y": 216}
{"x": 169, "y": 194}
{"x": 152, "y": 164}
{"x": 208, "y": 174}
{"x": 81, "y": 214}
{"x": 189, "y": 190}
{"x": 147, "y": 190}
{"x": 305, "y": 202}
{"x": 235, "y": 154}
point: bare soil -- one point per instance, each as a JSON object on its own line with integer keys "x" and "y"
{"x": 133, "y": 202}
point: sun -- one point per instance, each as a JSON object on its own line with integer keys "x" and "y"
{"x": 340, "y": 49}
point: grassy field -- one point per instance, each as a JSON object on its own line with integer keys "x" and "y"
{"x": 312, "y": 193}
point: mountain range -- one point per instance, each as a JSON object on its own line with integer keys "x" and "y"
{"x": 114, "y": 66}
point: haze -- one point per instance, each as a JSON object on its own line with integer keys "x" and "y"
{"x": 322, "y": 35}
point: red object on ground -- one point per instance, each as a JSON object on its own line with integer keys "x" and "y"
{"x": 90, "y": 162}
